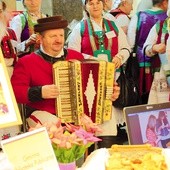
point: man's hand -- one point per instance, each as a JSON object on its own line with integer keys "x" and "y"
{"x": 50, "y": 91}
{"x": 116, "y": 92}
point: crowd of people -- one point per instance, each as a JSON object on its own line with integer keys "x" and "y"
{"x": 103, "y": 33}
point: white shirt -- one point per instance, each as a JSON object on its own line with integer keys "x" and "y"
{"x": 123, "y": 20}
{"x": 16, "y": 25}
{"x": 150, "y": 41}
{"x": 131, "y": 33}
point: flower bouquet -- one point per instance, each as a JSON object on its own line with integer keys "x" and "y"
{"x": 69, "y": 141}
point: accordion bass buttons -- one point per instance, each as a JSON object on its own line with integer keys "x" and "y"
{"x": 109, "y": 92}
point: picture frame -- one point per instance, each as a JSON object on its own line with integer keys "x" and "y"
{"x": 9, "y": 111}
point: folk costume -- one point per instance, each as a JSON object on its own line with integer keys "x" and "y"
{"x": 36, "y": 70}
{"x": 23, "y": 25}
{"x": 8, "y": 50}
{"x": 160, "y": 89}
{"x": 103, "y": 38}
{"x": 138, "y": 31}
{"x": 102, "y": 42}
{"x": 98, "y": 44}
{"x": 27, "y": 77}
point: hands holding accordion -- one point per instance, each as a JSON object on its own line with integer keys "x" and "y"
{"x": 52, "y": 91}
{"x": 116, "y": 92}
{"x": 49, "y": 91}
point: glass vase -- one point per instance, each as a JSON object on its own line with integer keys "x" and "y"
{"x": 67, "y": 166}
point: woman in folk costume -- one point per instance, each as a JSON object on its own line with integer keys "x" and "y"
{"x": 23, "y": 25}
{"x": 138, "y": 30}
{"x": 158, "y": 43}
{"x": 7, "y": 39}
{"x": 100, "y": 38}
{"x": 121, "y": 13}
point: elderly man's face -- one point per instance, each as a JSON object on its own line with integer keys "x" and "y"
{"x": 53, "y": 41}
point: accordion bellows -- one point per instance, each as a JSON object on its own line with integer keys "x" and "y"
{"x": 85, "y": 87}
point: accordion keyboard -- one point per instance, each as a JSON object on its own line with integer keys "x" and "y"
{"x": 64, "y": 101}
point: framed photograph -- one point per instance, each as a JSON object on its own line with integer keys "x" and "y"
{"x": 9, "y": 112}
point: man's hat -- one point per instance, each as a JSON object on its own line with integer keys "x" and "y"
{"x": 54, "y": 22}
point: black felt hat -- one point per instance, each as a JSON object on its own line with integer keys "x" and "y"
{"x": 54, "y": 22}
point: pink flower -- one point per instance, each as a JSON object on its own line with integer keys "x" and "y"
{"x": 86, "y": 136}
{"x": 72, "y": 140}
{"x": 89, "y": 125}
{"x": 66, "y": 140}
{"x": 71, "y": 128}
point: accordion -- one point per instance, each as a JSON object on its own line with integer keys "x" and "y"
{"x": 85, "y": 88}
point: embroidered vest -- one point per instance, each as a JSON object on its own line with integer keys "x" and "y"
{"x": 86, "y": 46}
{"x": 146, "y": 19}
{"x": 161, "y": 28}
{"x": 25, "y": 29}
{"x": 7, "y": 48}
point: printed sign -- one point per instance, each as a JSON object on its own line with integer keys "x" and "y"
{"x": 31, "y": 151}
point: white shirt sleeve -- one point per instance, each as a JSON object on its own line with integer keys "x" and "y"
{"x": 122, "y": 36}
{"x": 16, "y": 25}
{"x": 131, "y": 33}
{"x": 74, "y": 41}
{"x": 122, "y": 21}
{"x": 150, "y": 41}
{"x": 123, "y": 46}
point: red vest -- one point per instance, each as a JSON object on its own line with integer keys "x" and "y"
{"x": 86, "y": 46}
{"x": 7, "y": 49}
